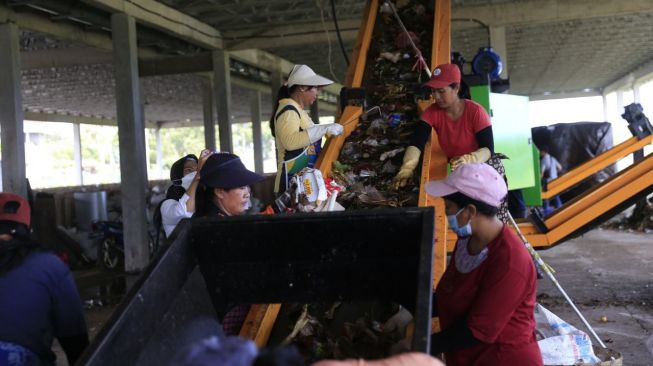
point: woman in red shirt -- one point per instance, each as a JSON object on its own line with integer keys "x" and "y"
{"x": 486, "y": 297}
{"x": 463, "y": 127}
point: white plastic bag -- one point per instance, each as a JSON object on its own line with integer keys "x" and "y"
{"x": 560, "y": 343}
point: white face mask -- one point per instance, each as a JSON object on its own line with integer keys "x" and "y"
{"x": 187, "y": 180}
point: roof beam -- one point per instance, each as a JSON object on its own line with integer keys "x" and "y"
{"x": 63, "y": 57}
{"x": 63, "y": 31}
{"x": 544, "y": 11}
{"x": 637, "y": 76}
{"x": 289, "y": 36}
{"x": 268, "y": 61}
{"x": 162, "y": 17}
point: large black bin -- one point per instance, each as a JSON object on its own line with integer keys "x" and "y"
{"x": 371, "y": 255}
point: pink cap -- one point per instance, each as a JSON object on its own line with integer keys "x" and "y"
{"x": 443, "y": 76}
{"x": 478, "y": 181}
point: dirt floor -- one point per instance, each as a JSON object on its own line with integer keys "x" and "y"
{"x": 607, "y": 273}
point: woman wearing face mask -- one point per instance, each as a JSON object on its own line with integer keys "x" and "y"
{"x": 180, "y": 197}
{"x": 224, "y": 191}
{"x": 297, "y": 137}
{"x": 486, "y": 297}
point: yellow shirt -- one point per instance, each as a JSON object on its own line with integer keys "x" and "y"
{"x": 288, "y": 134}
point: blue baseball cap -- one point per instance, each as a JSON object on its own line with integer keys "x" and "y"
{"x": 226, "y": 171}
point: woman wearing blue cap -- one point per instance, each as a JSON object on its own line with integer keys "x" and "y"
{"x": 224, "y": 191}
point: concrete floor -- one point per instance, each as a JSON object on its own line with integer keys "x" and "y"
{"x": 607, "y": 273}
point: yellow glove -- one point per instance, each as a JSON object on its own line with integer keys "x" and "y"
{"x": 405, "y": 175}
{"x": 479, "y": 156}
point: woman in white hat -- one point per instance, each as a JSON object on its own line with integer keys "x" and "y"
{"x": 296, "y": 135}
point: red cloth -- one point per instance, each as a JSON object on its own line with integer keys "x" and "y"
{"x": 234, "y": 319}
{"x": 498, "y": 299}
{"x": 457, "y": 137}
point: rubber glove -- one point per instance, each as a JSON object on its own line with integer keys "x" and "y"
{"x": 479, "y": 156}
{"x": 405, "y": 175}
{"x": 316, "y": 132}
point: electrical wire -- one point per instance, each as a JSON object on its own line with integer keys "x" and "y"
{"x": 326, "y": 31}
{"x": 335, "y": 22}
{"x": 473, "y": 20}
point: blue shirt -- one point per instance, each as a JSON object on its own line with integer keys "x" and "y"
{"x": 39, "y": 301}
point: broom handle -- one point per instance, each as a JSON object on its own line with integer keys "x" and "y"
{"x": 549, "y": 271}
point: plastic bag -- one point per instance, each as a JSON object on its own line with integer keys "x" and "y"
{"x": 560, "y": 343}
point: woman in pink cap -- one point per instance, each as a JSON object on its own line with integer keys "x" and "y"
{"x": 486, "y": 297}
{"x": 463, "y": 127}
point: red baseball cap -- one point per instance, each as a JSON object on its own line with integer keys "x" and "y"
{"x": 443, "y": 76}
{"x": 14, "y": 208}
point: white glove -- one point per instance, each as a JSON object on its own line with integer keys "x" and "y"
{"x": 335, "y": 129}
{"x": 316, "y": 132}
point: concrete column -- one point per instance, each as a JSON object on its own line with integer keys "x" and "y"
{"x": 605, "y": 107}
{"x": 498, "y": 39}
{"x": 159, "y": 151}
{"x": 620, "y": 102}
{"x": 209, "y": 117}
{"x": 276, "y": 81}
{"x": 222, "y": 89}
{"x": 11, "y": 112}
{"x": 315, "y": 112}
{"x": 257, "y": 134}
{"x": 77, "y": 153}
{"x": 131, "y": 136}
{"x": 636, "y": 93}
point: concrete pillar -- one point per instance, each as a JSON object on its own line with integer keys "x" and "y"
{"x": 315, "y": 112}
{"x": 222, "y": 89}
{"x": 257, "y": 134}
{"x": 209, "y": 117}
{"x": 605, "y": 107}
{"x": 11, "y": 112}
{"x": 77, "y": 153}
{"x": 636, "y": 93}
{"x": 620, "y": 102}
{"x": 159, "y": 151}
{"x": 131, "y": 136}
{"x": 498, "y": 41}
{"x": 276, "y": 81}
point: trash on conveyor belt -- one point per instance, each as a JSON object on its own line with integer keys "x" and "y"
{"x": 373, "y": 153}
{"x": 367, "y": 164}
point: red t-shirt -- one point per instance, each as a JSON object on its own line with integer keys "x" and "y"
{"x": 498, "y": 299}
{"x": 457, "y": 137}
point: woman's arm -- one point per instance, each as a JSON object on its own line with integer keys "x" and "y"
{"x": 288, "y": 131}
{"x": 190, "y": 203}
{"x": 485, "y": 138}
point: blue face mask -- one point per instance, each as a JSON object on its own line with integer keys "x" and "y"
{"x": 453, "y": 224}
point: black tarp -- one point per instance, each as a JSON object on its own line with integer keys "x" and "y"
{"x": 572, "y": 144}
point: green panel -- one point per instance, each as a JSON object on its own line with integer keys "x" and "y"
{"x": 512, "y": 134}
{"x": 512, "y": 137}
{"x": 533, "y": 195}
{"x": 481, "y": 95}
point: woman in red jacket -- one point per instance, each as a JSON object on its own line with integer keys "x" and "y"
{"x": 486, "y": 297}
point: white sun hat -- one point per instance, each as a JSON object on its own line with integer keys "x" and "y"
{"x": 304, "y": 75}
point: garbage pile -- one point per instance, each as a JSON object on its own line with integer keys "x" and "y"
{"x": 641, "y": 219}
{"x": 363, "y": 337}
{"x": 368, "y": 161}
{"x": 373, "y": 153}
